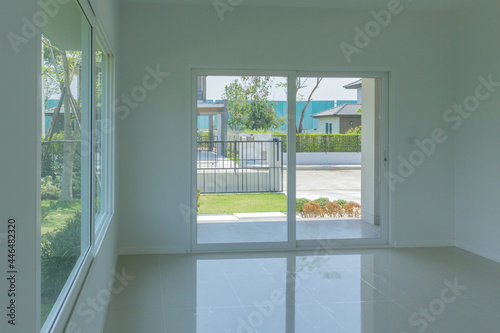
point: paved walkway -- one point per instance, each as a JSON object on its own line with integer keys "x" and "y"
{"x": 332, "y": 182}
{"x": 272, "y": 227}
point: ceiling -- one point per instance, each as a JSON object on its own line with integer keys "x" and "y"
{"x": 432, "y": 5}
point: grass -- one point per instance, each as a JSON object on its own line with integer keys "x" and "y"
{"x": 242, "y": 203}
{"x": 45, "y": 311}
{"x": 55, "y": 214}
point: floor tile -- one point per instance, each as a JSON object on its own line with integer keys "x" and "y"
{"x": 135, "y": 321}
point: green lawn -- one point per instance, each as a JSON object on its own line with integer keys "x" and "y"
{"x": 242, "y": 203}
{"x": 46, "y": 308}
{"x": 55, "y": 214}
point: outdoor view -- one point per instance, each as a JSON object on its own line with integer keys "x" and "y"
{"x": 65, "y": 72}
{"x": 240, "y": 174}
{"x": 242, "y": 159}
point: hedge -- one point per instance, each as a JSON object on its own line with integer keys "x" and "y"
{"x": 321, "y": 143}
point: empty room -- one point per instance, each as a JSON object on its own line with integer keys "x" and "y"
{"x": 249, "y": 166}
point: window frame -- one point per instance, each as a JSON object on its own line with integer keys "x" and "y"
{"x": 291, "y": 75}
{"x": 103, "y": 219}
{"x": 62, "y": 309}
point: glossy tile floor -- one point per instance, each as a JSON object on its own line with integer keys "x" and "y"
{"x": 387, "y": 290}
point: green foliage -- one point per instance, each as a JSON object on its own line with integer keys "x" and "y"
{"x": 299, "y": 204}
{"x": 50, "y": 190}
{"x": 54, "y": 164}
{"x": 198, "y": 194}
{"x": 320, "y": 143}
{"x": 60, "y": 250}
{"x": 248, "y": 105}
{"x": 309, "y": 143}
{"x": 322, "y": 202}
{"x": 341, "y": 203}
{"x": 355, "y": 130}
{"x": 202, "y": 135}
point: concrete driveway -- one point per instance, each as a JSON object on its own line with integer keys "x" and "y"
{"x": 335, "y": 183}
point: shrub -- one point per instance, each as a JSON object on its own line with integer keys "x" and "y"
{"x": 60, "y": 251}
{"x": 352, "y": 209}
{"x": 354, "y": 130}
{"x": 50, "y": 191}
{"x": 333, "y": 209}
{"x": 54, "y": 163}
{"x": 198, "y": 194}
{"x": 322, "y": 202}
{"x": 299, "y": 204}
{"x": 340, "y": 202}
{"x": 312, "y": 209}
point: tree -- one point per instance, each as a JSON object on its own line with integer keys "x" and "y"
{"x": 248, "y": 105}
{"x": 300, "y": 84}
{"x": 60, "y": 68}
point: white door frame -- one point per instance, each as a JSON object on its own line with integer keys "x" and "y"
{"x": 291, "y": 243}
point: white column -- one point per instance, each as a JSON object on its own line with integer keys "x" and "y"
{"x": 370, "y": 108}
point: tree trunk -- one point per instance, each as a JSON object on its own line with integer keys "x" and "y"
{"x": 318, "y": 81}
{"x": 69, "y": 147}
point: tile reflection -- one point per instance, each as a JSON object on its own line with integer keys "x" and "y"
{"x": 349, "y": 291}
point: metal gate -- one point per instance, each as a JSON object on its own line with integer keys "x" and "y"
{"x": 240, "y": 166}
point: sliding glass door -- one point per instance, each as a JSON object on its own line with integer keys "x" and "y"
{"x": 337, "y": 158}
{"x": 288, "y": 161}
{"x": 240, "y": 131}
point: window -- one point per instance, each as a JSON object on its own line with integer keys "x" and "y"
{"x": 77, "y": 151}
{"x": 103, "y": 130}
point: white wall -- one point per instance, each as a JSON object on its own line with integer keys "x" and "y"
{"x": 154, "y": 140}
{"x": 334, "y": 121}
{"x": 325, "y": 158}
{"x": 20, "y": 141}
{"x": 477, "y": 159}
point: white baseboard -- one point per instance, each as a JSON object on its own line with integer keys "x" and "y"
{"x": 425, "y": 243}
{"x": 150, "y": 250}
{"x": 478, "y": 251}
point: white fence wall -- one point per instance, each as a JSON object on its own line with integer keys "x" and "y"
{"x": 239, "y": 180}
{"x": 326, "y": 158}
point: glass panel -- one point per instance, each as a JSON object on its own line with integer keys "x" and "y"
{"x": 66, "y": 67}
{"x": 241, "y": 125}
{"x": 100, "y": 159}
{"x": 336, "y": 194}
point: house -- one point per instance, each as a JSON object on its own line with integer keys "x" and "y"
{"x": 339, "y": 119}
{"x": 439, "y": 88}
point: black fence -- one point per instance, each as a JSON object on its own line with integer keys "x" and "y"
{"x": 240, "y": 166}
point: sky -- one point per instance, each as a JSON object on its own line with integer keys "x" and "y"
{"x": 329, "y": 89}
